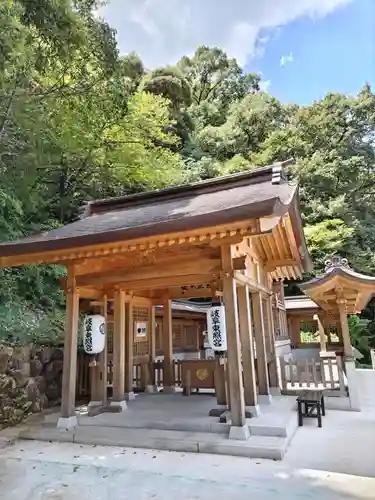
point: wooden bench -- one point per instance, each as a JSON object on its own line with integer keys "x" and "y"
{"x": 310, "y": 404}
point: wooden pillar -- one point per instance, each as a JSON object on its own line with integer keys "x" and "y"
{"x": 152, "y": 334}
{"x": 322, "y": 335}
{"x": 261, "y": 354}
{"x": 168, "y": 375}
{"x": 236, "y": 391}
{"x": 151, "y": 385}
{"x": 119, "y": 349}
{"x": 220, "y": 381}
{"x": 95, "y": 390}
{"x": 349, "y": 359}
{"x": 98, "y": 373}
{"x": 68, "y": 417}
{"x": 326, "y": 324}
{"x": 129, "y": 336}
{"x": 348, "y": 350}
{"x": 247, "y": 347}
{"x": 273, "y": 375}
{"x": 295, "y": 323}
{"x": 104, "y": 355}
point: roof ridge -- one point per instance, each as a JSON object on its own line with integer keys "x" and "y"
{"x": 273, "y": 172}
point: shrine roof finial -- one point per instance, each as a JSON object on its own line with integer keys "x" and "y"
{"x": 336, "y": 261}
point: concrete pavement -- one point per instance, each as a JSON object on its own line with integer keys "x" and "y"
{"x": 31, "y": 470}
{"x": 331, "y": 463}
{"x": 345, "y": 444}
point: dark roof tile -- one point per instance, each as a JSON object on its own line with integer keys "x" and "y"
{"x": 257, "y": 193}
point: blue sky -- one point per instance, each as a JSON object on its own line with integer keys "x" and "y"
{"x": 331, "y": 54}
{"x": 303, "y": 48}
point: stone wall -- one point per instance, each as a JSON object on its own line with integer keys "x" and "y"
{"x": 30, "y": 381}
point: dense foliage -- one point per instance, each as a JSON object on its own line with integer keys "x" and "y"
{"x": 80, "y": 121}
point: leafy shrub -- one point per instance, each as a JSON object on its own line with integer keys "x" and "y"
{"x": 14, "y": 406}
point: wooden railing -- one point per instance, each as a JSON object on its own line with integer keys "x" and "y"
{"x": 312, "y": 373}
{"x": 143, "y": 374}
{"x": 158, "y": 373}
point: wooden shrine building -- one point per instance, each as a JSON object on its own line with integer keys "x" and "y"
{"x": 328, "y": 299}
{"x": 339, "y": 292}
{"x": 230, "y": 238}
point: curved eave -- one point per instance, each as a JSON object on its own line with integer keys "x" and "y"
{"x": 356, "y": 288}
{"x": 298, "y": 254}
{"x": 349, "y": 276}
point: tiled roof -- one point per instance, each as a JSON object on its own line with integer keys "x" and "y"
{"x": 257, "y": 193}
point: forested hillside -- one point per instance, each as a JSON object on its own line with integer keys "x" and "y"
{"x": 80, "y": 121}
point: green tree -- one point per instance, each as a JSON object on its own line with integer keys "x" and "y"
{"x": 360, "y": 336}
{"x": 217, "y": 79}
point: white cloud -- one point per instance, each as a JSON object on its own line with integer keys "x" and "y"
{"x": 161, "y": 31}
{"x": 286, "y": 59}
{"x": 264, "y": 85}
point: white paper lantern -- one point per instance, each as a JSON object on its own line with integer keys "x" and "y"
{"x": 94, "y": 334}
{"x": 216, "y": 328}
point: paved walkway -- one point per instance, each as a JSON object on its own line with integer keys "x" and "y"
{"x": 345, "y": 444}
{"x": 327, "y": 463}
{"x": 35, "y": 471}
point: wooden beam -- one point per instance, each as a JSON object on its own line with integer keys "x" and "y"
{"x": 272, "y": 264}
{"x": 149, "y": 284}
{"x": 291, "y": 239}
{"x": 253, "y": 285}
{"x": 276, "y": 237}
{"x": 70, "y": 348}
{"x": 258, "y": 248}
{"x": 228, "y": 240}
{"x": 180, "y": 293}
{"x": 138, "y": 300}
{"x": 249, "y": 249}
{"x": 197, "y": 237}
{"x": 141, "y": 258}
{"x": 267, "y": 242}
{"x": 150, "y": 272}
{"x": 283, "y": 241}
{"x": 91, "y": 293}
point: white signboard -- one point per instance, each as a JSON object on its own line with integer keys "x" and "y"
{"x": 216, "y": 328}
{"x": 140, "y": 330}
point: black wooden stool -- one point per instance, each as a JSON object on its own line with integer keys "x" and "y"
{"x": 313, "y": 406}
